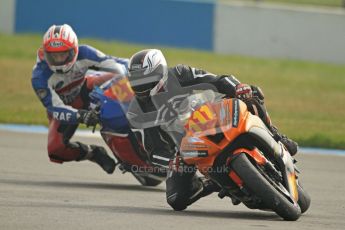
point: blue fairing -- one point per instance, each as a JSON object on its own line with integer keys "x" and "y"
{"x": 112, "y": 113}
{"x": 113, "y": 118}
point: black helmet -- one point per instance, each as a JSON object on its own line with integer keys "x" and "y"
{"x": 146, "y": 68}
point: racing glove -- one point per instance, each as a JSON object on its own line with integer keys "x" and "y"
{"x": 88, "y": 117}
{"x": 244, "y": 91}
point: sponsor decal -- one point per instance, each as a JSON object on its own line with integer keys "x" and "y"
{"x": 194, "y": 154}
{"x": 62, "y": 116}
{"x": 194, "y": 146}
{"x": 42, "y": 93}
{"x": 235, "y": 113}
{"x": 56, "y": 44}
{"x": 202, "y": 154}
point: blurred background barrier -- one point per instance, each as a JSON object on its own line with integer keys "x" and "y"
{"x": 248, "y": 27}
{"x": 280, "y": 31}
{"x": 7, "y": 16}
{"x": 172, "y": 23}
{"x": 305, "y": 98}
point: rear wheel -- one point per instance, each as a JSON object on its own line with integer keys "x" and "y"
{"x": 259, "y": 186}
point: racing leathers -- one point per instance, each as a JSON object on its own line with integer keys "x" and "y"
{"x": 65, "y": 97}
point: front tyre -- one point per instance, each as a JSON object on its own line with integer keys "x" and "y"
{"x": 147, "y": 181}
{"x": 303, "y": 198}
{"x": 258, "y": 185}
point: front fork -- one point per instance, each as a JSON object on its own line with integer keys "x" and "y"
{"x": 287, "y": 166}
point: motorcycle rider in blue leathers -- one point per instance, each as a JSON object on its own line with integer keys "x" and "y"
{"x": 61, "y": 82}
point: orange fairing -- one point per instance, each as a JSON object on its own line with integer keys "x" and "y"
{"x": 236, "y": 178}
{"x": 293, "y": 186}
{"x": 203, "y": 119}
{"x": 199, "y": 151}
{"x": 97, "y": 80}
{"x": 121, "y": 90}
{"x": 227, "y": 116}
{"x": 255, "y": 154}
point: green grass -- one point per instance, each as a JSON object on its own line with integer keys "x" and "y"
{"x": 306, "y": 100}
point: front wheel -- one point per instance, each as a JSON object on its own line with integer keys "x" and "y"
{"x": 303, "y": 198}
{"x": 260, "y": 187}
{"x": 147, "y": 180}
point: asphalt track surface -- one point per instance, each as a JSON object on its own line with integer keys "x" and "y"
{"x": 36, "y": 194}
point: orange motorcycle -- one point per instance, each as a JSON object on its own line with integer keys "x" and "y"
{"x": 236, "y": 151}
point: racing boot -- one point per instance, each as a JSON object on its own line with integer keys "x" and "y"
{"x": 95, "y": 154}
{"x": 99, "y": 156}
{"x": 209, "y": 187}
{"x": 184, "y": 187}
{"x": 290, "y": 145}
{"x": 201, "y": 187}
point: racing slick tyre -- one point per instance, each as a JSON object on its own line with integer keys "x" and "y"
{"x": 147, "y": 181}
{"x": 303, "y": 198}
{"x": 259, "y": 186}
